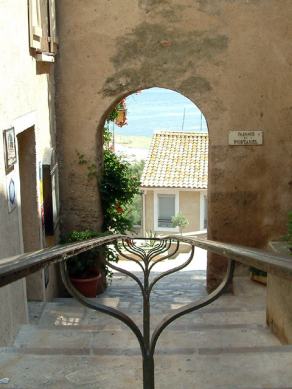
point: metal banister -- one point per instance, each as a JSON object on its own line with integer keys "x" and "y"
{"x": 22, "y": 265}
{"x": 277, "y": 264}
{"x": 19, "y": 266}
{"x": 146, "y": 256}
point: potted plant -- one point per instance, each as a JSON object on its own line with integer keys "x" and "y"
{"x": 85, "y": 269}
{"x": 179, "y": 221}
{"x": 121, "y": 114}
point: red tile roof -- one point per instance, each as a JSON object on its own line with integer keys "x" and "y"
{"x": 177, "y": 160}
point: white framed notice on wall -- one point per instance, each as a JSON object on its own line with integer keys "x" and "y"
{"x": 9, "y": 149}
{"x": 245, "y": 138}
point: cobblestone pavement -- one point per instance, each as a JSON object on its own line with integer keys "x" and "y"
{"x": 223, "y": 346}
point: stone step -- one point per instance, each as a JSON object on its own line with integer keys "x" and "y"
{"x": 56, "y": 315}
{"x": 268, "y": 368}
{"x": 225, "y": 345}
{"x": 90, "y": 340}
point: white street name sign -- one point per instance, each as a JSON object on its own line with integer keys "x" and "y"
{"x": 245, "y": 138}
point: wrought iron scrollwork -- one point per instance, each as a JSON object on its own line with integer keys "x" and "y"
{"x": 146, "y": 257}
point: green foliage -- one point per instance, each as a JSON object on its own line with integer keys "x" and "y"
{"x": 288, "y": 237}
{"x": 179, "y": 221}
{"x": 119, "y": 184}
{"x": 150, "y": 234}
{"x": 134, "y": 209}
{"x": 117, "y": 187}
{"x": 137, "y": 168}
{"x": 113, "y": 115}
{"x": 290, "y": 226}
{"x": 107, "y": 136}
{"x": 91, "y": 167}
{"x": 86, "y": 263}
{"x": 89, "y": 262}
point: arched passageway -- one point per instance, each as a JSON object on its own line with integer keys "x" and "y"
{"x": 197, "y": 50}
{"x": 167, "y": 133}
{"x": 162, "y": 137}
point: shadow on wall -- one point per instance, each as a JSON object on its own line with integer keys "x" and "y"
{"x": 13, "y": 306}
{"x": 9, "y": 226}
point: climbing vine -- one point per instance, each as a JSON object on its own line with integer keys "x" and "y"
{"x": 118, "y": 186}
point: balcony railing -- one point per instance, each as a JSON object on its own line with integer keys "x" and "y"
{"x": 146, "y": 256}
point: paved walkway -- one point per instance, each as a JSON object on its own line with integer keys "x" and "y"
{"x": 223, "y": 346}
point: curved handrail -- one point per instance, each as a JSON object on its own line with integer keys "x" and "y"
{"x": 169, "y": 255}
{"x": 173, "y": 270}
{"x": 19, "y": 266}
{"x": 14, "y": 268}
{"x": 128, "y": 257}
{"x": 102, "y": 308}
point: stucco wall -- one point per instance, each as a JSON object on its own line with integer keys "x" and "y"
{"x": 232, "y": 58}
{"x": 189, "y": 206}
{"x": 24, "y": 88}
{"x": 149, "y": 211}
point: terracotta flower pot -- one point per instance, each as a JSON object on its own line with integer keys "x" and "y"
{"x": 89, "y": 287}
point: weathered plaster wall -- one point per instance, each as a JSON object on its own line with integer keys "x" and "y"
{"x": 189, "y": 205}
{"x": 279, "y": 312}
{"x": 24, "y": 88}
{"x": 232, "y": 58}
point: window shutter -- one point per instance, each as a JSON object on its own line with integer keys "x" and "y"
{"x": 35, "y": 24}
{"x": 53, "y": 39}
{"x": 45, "y": 25}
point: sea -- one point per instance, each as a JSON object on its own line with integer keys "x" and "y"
{"x": 160, "y": 109}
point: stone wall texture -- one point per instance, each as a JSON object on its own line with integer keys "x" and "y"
{"x": 231, "y": 58}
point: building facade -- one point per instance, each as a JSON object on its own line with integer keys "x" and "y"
{"x": 28, "y": 168}
{"x": 175, "y": 181}
{"x": 223, "y": 55}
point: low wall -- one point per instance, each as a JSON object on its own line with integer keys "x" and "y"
{"x": 279, "y": 297}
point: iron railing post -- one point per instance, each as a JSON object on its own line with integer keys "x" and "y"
{"x": 148, "y": 371}
{"x": 148, "y": 359}
{"x": 146, "y": 309}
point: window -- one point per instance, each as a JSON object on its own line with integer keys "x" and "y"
{"x": 42, "y": 29}
{"x": 203, "y": 210}
{"x": 166, "y": 205}
{"x": 166, "y": 210}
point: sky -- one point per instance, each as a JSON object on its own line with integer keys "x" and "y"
{"x": 160, "y": 109}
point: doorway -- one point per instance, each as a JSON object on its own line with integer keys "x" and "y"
{"x": 30, "y": 218}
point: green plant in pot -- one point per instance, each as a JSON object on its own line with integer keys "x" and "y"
{"x": 86, "y": 270}
{"x": 179, "y": 221}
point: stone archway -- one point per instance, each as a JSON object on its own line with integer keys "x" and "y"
{"x": 211, "y": 53}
